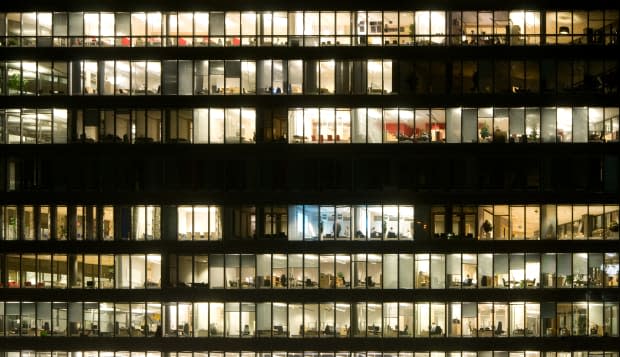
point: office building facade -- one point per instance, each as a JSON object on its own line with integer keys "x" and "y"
{"x": 319, "y": 179}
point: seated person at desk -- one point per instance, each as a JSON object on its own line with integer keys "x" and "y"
{"x": 422, "y": 278}
{"x": 328, "y": 330}
{"x": 404, "y": 332}
{"x": 46, "y": 329}
{"x": 185, "y": 329}
{"x": 467, "y": 281}
{"x": 435, "y": 330}
{"x": 374, "y": 233}
{"x": 278, "y": 330}
{"x": 374, "y": 330}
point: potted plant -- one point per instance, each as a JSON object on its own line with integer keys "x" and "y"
{"x": 14, "y": 83}
{"x": 412, "y": 33}
{"x": 484, "y": 132}
{"x": 487, "y": 227}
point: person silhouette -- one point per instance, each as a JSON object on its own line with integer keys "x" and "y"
{"x": 475, "y": 80}
{"x": 498, "y": 330}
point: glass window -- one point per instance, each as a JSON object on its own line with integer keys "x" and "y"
{"x": 359, "y": 270}
{"x": 327, "y": 280}
{"x": 610, "y": 313}
{"x": 264, "y": 327}
{"x": 59, "y": 269}
{"x": 564, "y": 270}
{"x": 358, "y": 125}
{"x": 311, "y": 28}
{"x": 453, "y": 271}
{"x": 343, "y": 318}
{"x": 313, "y": 228}
{"x": 532, "y": 270}
{"x": 422, "y": 125}
{"x": 310, "y": 320}
{"x": 328, "y": 223}
{"x": 233, "y": 28}
{"x": 580, "y": 318}
{"x": 232, "y": 315}
{"x": 153, "y": 271}
{"x": 279, "y": 272}
{"x": 280, "y": 322}
{"x": 327, "y": 125}
{"x": 343, "y": 271}
{"x": 216, "y": 319}
{"x": 327, "y": 28}
{"x": 138, "y": 29}
{"x": 98, "y": 318}
{"x": 216, "y": 271}
{"x": 232, "y": 271}
{"x": 199, "y": 223}
{"x": 184, "y": 270}
{"x": 311, "y": 271}
{"x": 469, "y": 270}
{"x": 548, "y": 270}
{"x": 611, "y": 269}
{"x": 422, "y": 269}
{"x": 500, "y": 271}
{"x": 469, "y": 319}
{"x": 422, "y": 320}
{"x": 485, "y": 271}
{"x": 327, "y": 320}
{"x": 217, "y": 121}
{"x": 344, "y": 28}
{"x": 390, "y": 269}
{"x": 373, "y": 320}
{"x": 76, "y": 28}
{"x": 438, "y": 271}
{"x": 296, "y": 320}
{"x": 201, "y": 29}
{"x": 200, "y": 270}
{"x": 44, "y": 271}
{"x": 406, "y": 126}
{"x": 391, "y": 125}
{"x": 294, "y": 279}
{"x": 120, "y": 24}
{"x": 147, "y": 222}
